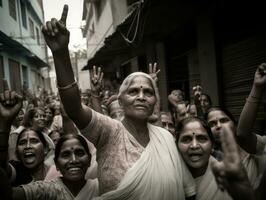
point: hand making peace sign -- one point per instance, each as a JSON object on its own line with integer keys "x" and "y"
{"x": 96, "y": 79}
{"x": 153, "y": 72}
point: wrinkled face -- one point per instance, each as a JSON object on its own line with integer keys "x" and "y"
{"x": 204, "y": 102}
{"x": 30, "y": 149}
{"x": 55, "y": 136}
{"x": 139, "y": 99}
{"x": 168, "y": 123}
{"x": 73, "y": 160}
{"x": 216, "y": 120}
{"x": 39, "y": 119}
{"x": 181, "y": 112}
{"x": 193, "y": 110}
{"x": 195, "y": 145}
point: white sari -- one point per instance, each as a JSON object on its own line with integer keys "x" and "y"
{"x": 57, "y": 190}
{"x": 157, "y": 175}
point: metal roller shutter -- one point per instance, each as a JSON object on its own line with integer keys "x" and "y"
{"x": 239, "y": 62}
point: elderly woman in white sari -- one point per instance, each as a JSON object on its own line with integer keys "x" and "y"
{"x": 136, "y": 160}
{"x": 195, "y": 142}
{"x": 72, "y": 158}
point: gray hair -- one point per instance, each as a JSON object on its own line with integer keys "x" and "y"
{"x": 128, "y": 80}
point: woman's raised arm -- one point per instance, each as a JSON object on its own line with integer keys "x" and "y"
{"x": 57, "y": 38}
{"x": 246, "y": 138}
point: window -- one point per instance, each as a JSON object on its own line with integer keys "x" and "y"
{"x": 1, "y": 4}
{"x": 25, "y": 75}
{"x": 23, "y": 14}
{"x": 15, "y": 79}
{"x": 31, "y": 28}
{"x": 38, "y": 36}
{"x": 12, "y": 9}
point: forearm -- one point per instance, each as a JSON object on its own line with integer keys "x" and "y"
{"x": 63, "y": 68}
{"x": 70, "y": 97}
{"x": 68, "y": 126}
{"x": 199, "y": 109}
{"x": 4, "y": 135}
{"x": 96, "y": 102}
{"x": 247, "y": 119}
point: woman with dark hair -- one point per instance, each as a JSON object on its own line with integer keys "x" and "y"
{"x": 31, "y": 147}
{"x": 135, "y": 158}
{"x": 218, "y": 118}
{"x": 205, "y": 102}
{"x": 72, "y": 158}
{"x": 195, "y": 141}
{"x": 31, "y": 151}
{"x": 248, "y": 140}
{"x": 34, "y": 119}
{"x": 55, "y": 136}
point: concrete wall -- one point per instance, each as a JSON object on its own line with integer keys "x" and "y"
{"x": 22, "y": 62}
{"x": 112, "y": 13}
{"x": 103, "y": 27}
{"x": 16, "y": 31}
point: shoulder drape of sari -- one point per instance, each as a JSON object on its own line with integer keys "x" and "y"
{"x": 57, "y": 190}
{"x": 157, "y": 175}
{"x": 207, "y": 188}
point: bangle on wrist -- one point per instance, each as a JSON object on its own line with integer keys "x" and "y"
{"x": 254, "y": 97}
{"x": 252, "y": 100}
{"x": 67, "y": 86}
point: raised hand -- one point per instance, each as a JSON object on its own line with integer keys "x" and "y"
{"x": 55, "y": 32}
{"x": 260, "y": 76}
{"x": 230, "y": 173}
{"x": 96, "y": 79}
{"x": 153, "y": 72}
{"x": 10, "y": 105}
{"x": 197, "y": 91}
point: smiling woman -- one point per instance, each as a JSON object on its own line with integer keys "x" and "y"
{"x": 72, "y": 158}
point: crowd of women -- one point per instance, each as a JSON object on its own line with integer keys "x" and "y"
{"x": 99, "y": 145}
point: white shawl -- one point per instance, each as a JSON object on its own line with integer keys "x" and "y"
{"x": 157, "y": 175}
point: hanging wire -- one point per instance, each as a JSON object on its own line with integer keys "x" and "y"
{"x": 136, "y": 17}
{"x": 141, "y": 28}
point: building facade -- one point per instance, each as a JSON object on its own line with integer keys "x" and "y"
{"x": 212, "y": 43}
{"x": 23, "y": 55}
